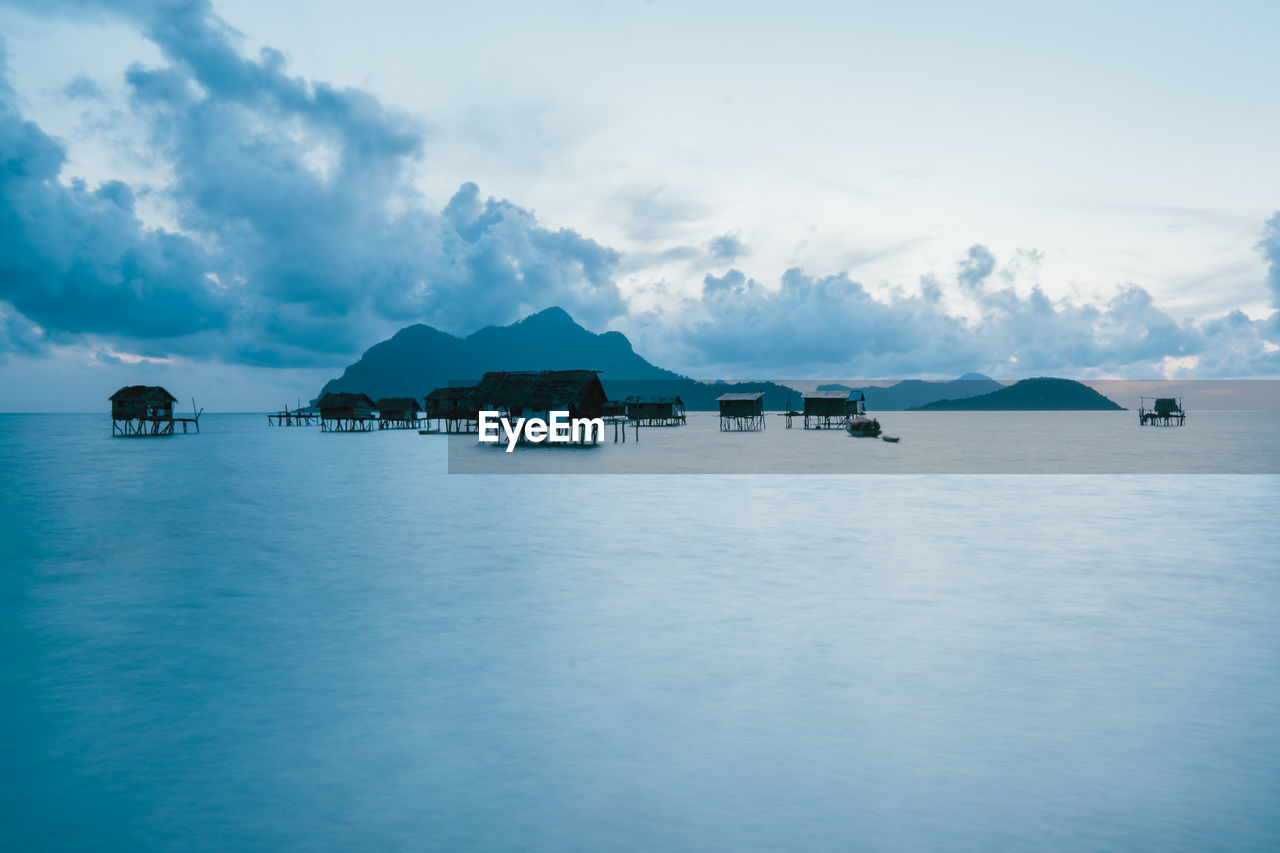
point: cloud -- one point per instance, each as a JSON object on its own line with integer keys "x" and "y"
{"x": 501, "y": 264}
{"x": 1270, "y": 248}
{"x": 75, "y": 259}
{"x": 297, "y": 238}
{"x": 727, "y": 248}
{"x": 654, "y": 213}
{"x": 83, "y": 89}
{"x": 976, "y": 266}
{"x": 811, "y": 321}
{"x": 832, "y": 325}
{"x": 18, "y": 335}
{"x": 297, "y": 232}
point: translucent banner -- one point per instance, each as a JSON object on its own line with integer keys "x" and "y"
{"x": 968, "y": 426}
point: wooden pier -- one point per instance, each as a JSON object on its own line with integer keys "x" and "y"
{"x": 620, "y": 424}
{"x": 296, "y": 417}
{"x": 145, "y": 411}
{"x": 145, "y": 427}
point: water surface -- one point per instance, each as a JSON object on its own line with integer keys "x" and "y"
{"x": 265, "y": 639}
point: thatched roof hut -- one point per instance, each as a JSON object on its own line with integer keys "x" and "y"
{"x": 525, "y": 393}
{"x": 653, "y": 407}
{"x": 340, "y": 404}
{"x": 451, "y": 402}
{"x": 397, "y": 409}
{"x": 142, "y": 401}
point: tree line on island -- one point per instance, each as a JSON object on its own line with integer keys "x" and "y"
{"x": 419, "y": 358}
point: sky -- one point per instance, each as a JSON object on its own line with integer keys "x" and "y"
{"x": 238, "y": 198}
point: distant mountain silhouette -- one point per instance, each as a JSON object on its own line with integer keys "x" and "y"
{"x": 1041, "y": 394}
{"x": 911, "y": 393}
{"x": 419, "y": 358}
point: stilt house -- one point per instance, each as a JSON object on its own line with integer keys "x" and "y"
{"x": 397, "y": 413}
{"x": 741, "y": 411}
{"x": 452, "y": 409}
{"x": 344, "y": 412}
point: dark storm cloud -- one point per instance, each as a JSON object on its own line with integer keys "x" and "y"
{"x": 306, "y": 187}
{"x": 19, "y": 335}
{"x": 300, "y": 191}
{"x": 76, "y": 259}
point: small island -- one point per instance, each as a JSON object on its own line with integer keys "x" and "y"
{"x": 1042, "y": 394}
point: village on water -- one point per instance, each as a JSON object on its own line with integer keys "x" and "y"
{"x": 529, "y": 396}
{"x": 572, "y": 398}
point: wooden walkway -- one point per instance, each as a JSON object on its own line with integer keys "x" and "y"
{"x": 148, "y": 427}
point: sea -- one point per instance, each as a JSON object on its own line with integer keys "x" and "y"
{"x": 1008, "y": 631}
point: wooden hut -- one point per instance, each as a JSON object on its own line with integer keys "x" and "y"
{"x": 398, "y": 413}
{"x": 536, "y": 393}
{"x": 741, "y": 411}
{"x": 654, "y": 410}
{"x": 1161, "y": 411}
{"x": 146, "y": 410}
{"x": 344, "y": 412}
{"x": 828, "y": 409}
{"x": 451, "y": 408}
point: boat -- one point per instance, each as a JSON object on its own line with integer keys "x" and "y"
{"x": 891, "y": 438}
{"x": 861, "y": 426}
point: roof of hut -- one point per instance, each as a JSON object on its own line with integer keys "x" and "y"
{"x": 653, "y": 398}
{"x": 397, "y": 404}
{"x": 828, "y": 395}
{"x": 344, "y": 400}
{"x": 535, "y": 390}
{"x": 452, "y": 392}
{"x": 749, "y": 395}
{"x": 142, "y": 392}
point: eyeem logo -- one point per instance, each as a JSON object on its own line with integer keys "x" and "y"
{"x": 559, "y": 429}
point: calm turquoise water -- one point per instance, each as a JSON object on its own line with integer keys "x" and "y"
{"x": 265, "y": 639}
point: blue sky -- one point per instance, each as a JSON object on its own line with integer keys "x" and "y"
{"x": 248, "y": 197}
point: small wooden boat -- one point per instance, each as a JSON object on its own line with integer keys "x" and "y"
{"x": 891, "y": 438}
{"x": 861, "y": 426}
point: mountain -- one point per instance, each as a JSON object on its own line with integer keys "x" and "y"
{"x": 419, "y": 358}
{"x": 912, "y": 393}
{"x": 1028, "y": 395}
